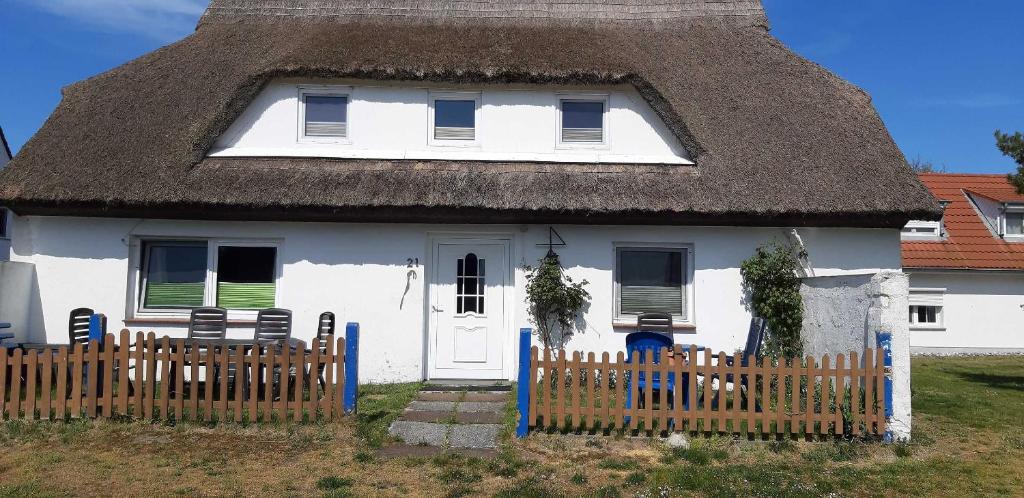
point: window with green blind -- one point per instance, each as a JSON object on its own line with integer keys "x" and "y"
{"x": 174, "y": 275}
{"x": 652, "y": 280}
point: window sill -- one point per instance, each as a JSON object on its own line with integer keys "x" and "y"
{"x": 682, "y": 327}
{"x": 927, "y": 329}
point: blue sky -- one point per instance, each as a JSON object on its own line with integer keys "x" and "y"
{"x": 943, "y": 74}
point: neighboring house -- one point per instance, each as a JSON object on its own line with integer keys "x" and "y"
{"x": 5, "y": 215}
{"x": 398, "y": 163}
{"x": 967, "y": 270}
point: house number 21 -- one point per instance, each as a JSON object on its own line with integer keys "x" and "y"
{"x": 412, "y": 263}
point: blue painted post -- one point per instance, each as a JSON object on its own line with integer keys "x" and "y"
{"x": 96, "y": 332}
{"x": 351, "y": 366}
{"x": 524, "y": 388}
{"x": 884, "y": 340}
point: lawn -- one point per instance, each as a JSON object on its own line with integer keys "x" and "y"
{"x": 968, "y": 425}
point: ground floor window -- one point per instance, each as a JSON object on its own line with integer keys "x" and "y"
{"x": 652, "y": 279}
{"x": 184, "y": 274}
{"x": 926, "y": 308}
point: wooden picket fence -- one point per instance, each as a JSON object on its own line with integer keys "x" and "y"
{"x": 145, "y": 380}
{"x": 770, "y": 396}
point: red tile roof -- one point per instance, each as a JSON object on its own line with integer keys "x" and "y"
{"x": 970, "y": 244}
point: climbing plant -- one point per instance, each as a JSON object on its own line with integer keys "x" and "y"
{"x": 771, "y": 280}
{"x": 555, "y": 300}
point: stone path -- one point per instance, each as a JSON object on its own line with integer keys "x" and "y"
{"x": 463, "y": 417}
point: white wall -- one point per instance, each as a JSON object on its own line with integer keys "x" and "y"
{"x": 359, "y": 272}
{"x": 515, "y": 123}
{"x": 982, "y": 312}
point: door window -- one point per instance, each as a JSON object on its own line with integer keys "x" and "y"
{"x": 469, "y": 285}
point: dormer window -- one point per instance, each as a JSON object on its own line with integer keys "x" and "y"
{"x": 453, "y": 118}
{"x": 1014, "y": 223}
{"x": 582, "y": 121}
{"x": 323, "y": 114}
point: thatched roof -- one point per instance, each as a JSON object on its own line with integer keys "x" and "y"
{"x": 777, "y": 140}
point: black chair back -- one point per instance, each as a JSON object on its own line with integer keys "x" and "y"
{"x": 208, "y": 323}
{"x": 274, "y": 324}
{"x": 78, "y": 325}
{"x": 755, "y": 337}
{"x": 326, "y": 328}
{"x": 654, "y": 322}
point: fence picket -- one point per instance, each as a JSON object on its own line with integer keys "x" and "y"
{"x": 840, "y": 391}
{"x": 31, "y": 368}
{"x": 140, "y": 373}
{"x": 46, "y": 384}
{"x": 149, "y": 391}
{"x": 314, "y": 384}
{"x": 855, "y": 393}
{"x": 62, "y": 385}
{"x": 572, "y": 394}
{"x": 677, "y": 396}
{"x": 663, "y": 402}
{"x": 298, "y": 361}
{"x": 92, "y": 384}
{"x": 340, "y": 379}
{"x": 559, "y": 379}
{"x": 329, "y": 363}
{"x": 223, "y": 369}
{"x": 165, "y": 377}
{"x": 620, "y": 390}
{"x": 254, "y": 379}
{"x": 546, "y": 387}
{"x": 751, "y": 391}
{"x": 691, "y": 368}
{"x": 606, "y": 392}
{"x": 122, "y": 373}
{"x": 193, "y": 383}
{"x": 14, "y": 408}
{"x": 825, "y": 417}
{"x": 810, "y": 414}
{"x": 209, "y": 380}
{"x": 795, "y": 395}
{"x": 869, "y": 391}
{"x": 179, "y": 379}
{"x": 591, "y": 390}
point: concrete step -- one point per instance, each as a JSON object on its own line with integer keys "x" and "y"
{"x": 474, "y": 436}
{"x": 414, "y": 433}
{"x": 442, "y": 417}
{"x": 466, "y": 385}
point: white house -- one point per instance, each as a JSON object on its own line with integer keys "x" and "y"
{"x": 398, "y": 163}
{"x": 967, "y": 270}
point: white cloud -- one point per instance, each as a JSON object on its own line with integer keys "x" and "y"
{"x": 164, "y": 20}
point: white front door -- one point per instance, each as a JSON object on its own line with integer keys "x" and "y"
{"x": 467, "y": 310}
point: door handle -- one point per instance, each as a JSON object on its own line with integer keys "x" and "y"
{"x": 436, "y": 309}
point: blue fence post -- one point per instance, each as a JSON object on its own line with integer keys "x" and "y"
{"x": 351, "y": 366}
{"x": 524, "y": 387}
{"x": 884, "y": 340}
{"x": 97, "y": 326}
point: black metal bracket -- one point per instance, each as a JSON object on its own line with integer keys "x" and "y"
{"x": 552, "y": 235}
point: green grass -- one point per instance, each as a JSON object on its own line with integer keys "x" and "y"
{"x": 379, "y": 405}
{"x": 973, "y": 391}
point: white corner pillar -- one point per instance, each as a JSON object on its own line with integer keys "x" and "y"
{"x": 888, "y": 314}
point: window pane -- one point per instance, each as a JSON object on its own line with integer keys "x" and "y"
{"x": 174, "y": 275}
{"x": 455, "y": 113}
{"x": 651, "y": 281}
{"x": 582, "y": 114}
{"x": 1015, "y": 223}
{"x": 245, "y": 277}
{"x": 326, "y": 116}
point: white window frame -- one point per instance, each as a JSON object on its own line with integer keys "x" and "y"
{"x": 476, "y": 97}
{"x": 210, "y": 282}
{"x": 927, "y": 297}
{"x": 1010, "y": 208}
{"x": 561, "y": 98}
{"x": 324, "y": 91}
{"x": 687, "y": 320}
{"x": 935, "y": 230}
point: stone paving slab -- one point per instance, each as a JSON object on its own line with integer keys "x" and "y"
{"x": 481, "y": 406}
{"x": 486, "y": 396}
{"x": 478, "y": 418}
{"x": 427, "y": 416}
{"x": 439, "y": 396}
{"x": 432, "y": 406}
{"x": 419, "y": 432}
{"x": 405, "y": 450}
{"x": 474, "y": 436}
